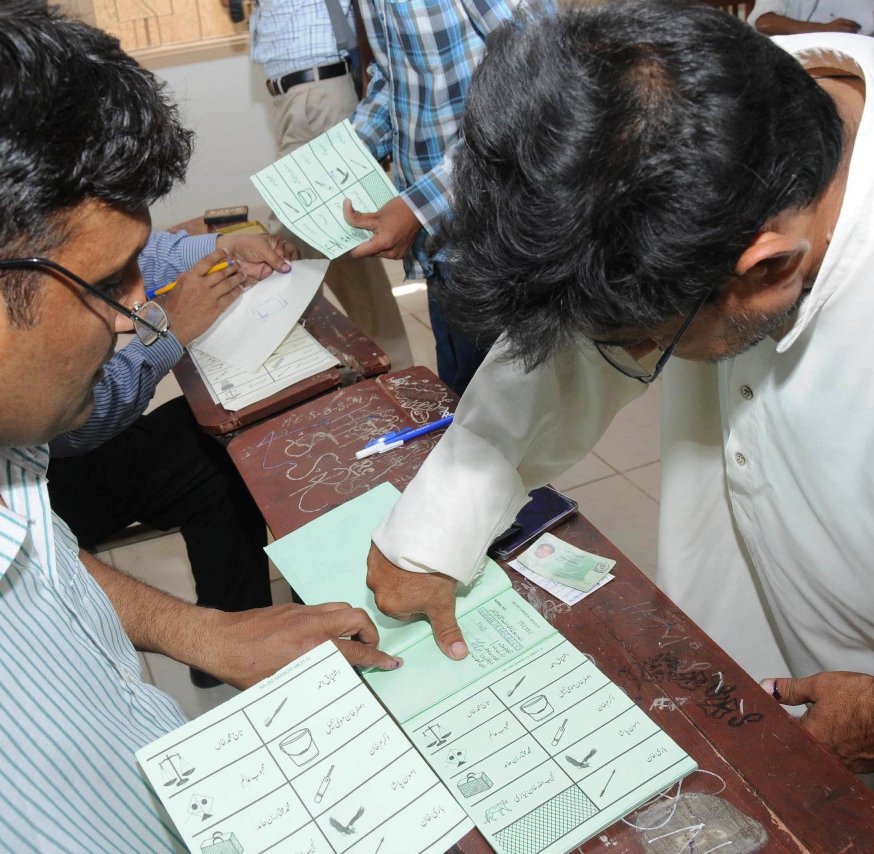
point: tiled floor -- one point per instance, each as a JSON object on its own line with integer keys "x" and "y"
{"x": 617, "y": 487}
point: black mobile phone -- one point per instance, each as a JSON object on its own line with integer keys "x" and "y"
{"x": 545, "y": 510}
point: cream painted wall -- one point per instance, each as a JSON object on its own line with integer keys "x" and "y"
{"x": 227, "y": 104}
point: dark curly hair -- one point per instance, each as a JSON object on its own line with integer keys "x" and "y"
{"x": 79, "y": 120}
{"x": 616, "y": 161}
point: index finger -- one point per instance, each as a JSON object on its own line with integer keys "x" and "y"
{"x": 370, "y": 247}
{"x": 350, "y": 622}
{"x": 362, "y": 655}
{"x": 208, "y": 261}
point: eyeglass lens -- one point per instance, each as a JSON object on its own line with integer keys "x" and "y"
{"x": 153, "y": 314}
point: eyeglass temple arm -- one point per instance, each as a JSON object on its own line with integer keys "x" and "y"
{"x": 51, "y": 265}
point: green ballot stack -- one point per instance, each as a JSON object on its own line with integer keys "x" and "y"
{"x": 538, "y": 746}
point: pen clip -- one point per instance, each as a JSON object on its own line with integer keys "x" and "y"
{"x": 388, "y": 437}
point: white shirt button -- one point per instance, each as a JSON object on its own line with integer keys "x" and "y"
{"x": 740, "y": 459}
{"x": 746, "y": 392}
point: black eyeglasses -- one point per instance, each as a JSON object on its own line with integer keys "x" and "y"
{"x": 150, "y": 320}
{"x": 618, "y": 357}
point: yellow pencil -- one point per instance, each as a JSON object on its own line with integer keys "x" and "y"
{"x": 156, "y": 292}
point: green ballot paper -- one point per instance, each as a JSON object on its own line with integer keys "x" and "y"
{"x": 306, "y": 189}
{"x": 538, "y": 746}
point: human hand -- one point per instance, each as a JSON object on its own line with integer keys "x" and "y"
{"x": 394, "y": 228}
{"x": 249, "y": 646}
{"x": 841, "y": 716}
{"x": 199, "y": 296}
{"x": 400, "y": 594}
{"x": 258, "y": 255}
{"x": 842, "y": 25}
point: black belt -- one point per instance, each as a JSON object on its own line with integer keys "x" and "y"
{"x": 281, "y": 85}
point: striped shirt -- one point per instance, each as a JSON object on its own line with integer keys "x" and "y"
{"x": 132, "y": 375}
{"x": 289, "y": 35}
{"x": 425, "y": 53}
{"x": 73, "y": 706}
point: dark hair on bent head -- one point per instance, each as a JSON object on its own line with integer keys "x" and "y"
{"x": 616, "y": 161}
{"x": 79, "y": 120}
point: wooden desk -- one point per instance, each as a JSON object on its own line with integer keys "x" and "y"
{"x": 764, "y": 784}
{"x": 331, "y": 329}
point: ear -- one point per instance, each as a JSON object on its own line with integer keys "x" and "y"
{"x": 772, "y": 258}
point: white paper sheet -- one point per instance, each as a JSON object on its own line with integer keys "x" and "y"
{"x": 254, "y": 325}
{"x": 305, "y": 761}
{"x": 568, "y": 595}
{"x": 299, "y": 356}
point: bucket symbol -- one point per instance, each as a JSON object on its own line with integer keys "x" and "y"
{"x": 537, "y": 707}
{"x": 299, "y": 745}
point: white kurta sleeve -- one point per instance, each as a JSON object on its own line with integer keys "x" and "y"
{"x": 764, "y": 7}
{"x": 513, "y": 432}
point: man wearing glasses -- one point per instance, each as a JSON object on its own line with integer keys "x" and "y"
{"x": 646, "y": 188}
{"x": 161, "y": 469}
{"x": 87, "y": 142}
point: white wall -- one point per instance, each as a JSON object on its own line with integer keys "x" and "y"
{"x": 226, "y": 103}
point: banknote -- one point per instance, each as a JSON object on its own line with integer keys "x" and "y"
{"x": 554, "y": 558}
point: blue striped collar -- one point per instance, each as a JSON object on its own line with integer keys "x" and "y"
{"x": 34, "y": 459}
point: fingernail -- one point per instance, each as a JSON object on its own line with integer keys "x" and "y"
{"x": 458, "y": 649}
{"x": 398, "y": 663}
{"x": 770, "y": 685}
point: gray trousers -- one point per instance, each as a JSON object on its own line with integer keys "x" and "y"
{"x": 361, "y": 285}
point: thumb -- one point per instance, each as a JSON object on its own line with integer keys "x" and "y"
{"x": 446, "y": 631}
{"x": 357, "y": 219}
{"x": 791, "y": 692}
{"x": 272, "y": 257}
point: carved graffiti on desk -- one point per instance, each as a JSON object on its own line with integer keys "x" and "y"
{"x": 420, "y": 398}
{"x": 719, "y": 700}
{"x": 682, "y": 664}
{"x": 315, "y": 452}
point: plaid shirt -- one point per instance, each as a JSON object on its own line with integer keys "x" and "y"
{"x": 288, "y": 35}
{"x": 425, "y": 53}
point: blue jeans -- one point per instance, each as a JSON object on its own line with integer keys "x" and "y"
{"x": 457, "y": 357}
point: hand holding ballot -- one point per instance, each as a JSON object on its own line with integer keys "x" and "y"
{"x": 394, "y": 228}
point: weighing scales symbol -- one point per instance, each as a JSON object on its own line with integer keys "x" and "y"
{"x": 436, "y": 735}
{"x": 175, "y": 769}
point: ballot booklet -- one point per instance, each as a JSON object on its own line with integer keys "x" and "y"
{"x": 539, "y": 747}
{"x": 296, "y": 358}
{"x": 306, "y": 189}
{"x": 305, "y": 762}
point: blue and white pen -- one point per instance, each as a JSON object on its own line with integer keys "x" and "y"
{"x": 396, "y": 439}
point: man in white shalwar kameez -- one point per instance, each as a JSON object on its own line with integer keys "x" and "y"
{"x": 766, "y": 530}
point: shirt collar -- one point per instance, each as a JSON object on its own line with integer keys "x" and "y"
{"x": 34, "y": 459}
{"x": 849, "y": 244}
{"x": 13, "y": 527}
